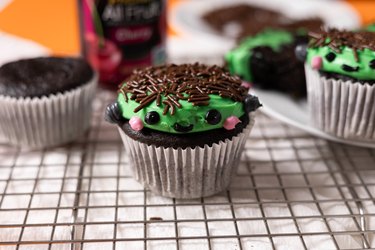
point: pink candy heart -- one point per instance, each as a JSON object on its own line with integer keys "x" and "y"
{"x": 231, "y": 122}
{"x": 246, "y": 85}
{"x": 136, "y": 123}
{"x": 316, "y": 62}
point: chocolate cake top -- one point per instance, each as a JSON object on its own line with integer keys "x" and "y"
{"x": 43, "y": 76}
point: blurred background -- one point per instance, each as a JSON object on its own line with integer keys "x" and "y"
{"x": 192, "y": 33}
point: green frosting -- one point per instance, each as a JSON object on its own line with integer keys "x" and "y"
{"x": 349, "y": 53}
{"x": 238, "y": 59}
{"x": 370, "y": 27}
{"x": 186, "y": 115}
{"x": 346, "y": 56}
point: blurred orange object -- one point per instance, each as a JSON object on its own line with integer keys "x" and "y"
{"x": 52, "y": 24}
{"x": 365, "y": 8}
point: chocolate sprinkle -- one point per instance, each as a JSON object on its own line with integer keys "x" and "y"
{"x": 191, "y": 82}
{"x": 336, "y": 39}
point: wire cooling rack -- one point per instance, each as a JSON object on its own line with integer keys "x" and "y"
{"x": 291, "y": 191}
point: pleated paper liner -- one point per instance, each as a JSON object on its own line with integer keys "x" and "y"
{"x": 186, "y": 173}
{"x": 342, "y": 108}
{"x": 47, "y": 121}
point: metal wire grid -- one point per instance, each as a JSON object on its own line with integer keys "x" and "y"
{"x": 291, "y": 191}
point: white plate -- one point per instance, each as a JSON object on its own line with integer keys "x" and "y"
{"x": 295, "y": 113}
{"x": 187, "y": 16}
{"x": 196, "y": 41}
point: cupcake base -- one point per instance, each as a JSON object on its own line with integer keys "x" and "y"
{"x": 186, "y": 173}
{"x": 46, "y": 121}
{"x": 342, "y": 108}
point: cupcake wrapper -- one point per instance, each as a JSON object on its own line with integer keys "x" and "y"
{"x": 46, "y": 121}
{"x": 186, "y": 173}
{"x": 341, "y": 108}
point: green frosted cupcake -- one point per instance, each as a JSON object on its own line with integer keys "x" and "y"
{"x": 340, "y": 72}
{"x": 267, "y": 59}
{"x": 184, "y": 127}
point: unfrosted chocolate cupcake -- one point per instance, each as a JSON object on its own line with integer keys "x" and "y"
{"x": 45, "y": 101}
{"x": 43, "y": 76}
{"x": 184, "y": 127}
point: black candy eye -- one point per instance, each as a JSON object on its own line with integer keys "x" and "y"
{"x": 300, "y": 52}
{"x": 330, "y": 56}
{"x": 213, "y": 117}
{"x": 152, "y": 117}
{"x": 372, "y": 64}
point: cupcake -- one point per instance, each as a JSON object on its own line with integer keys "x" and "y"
{"x": 184, "y": 127}
{"x": 268, "y": 60}
{"x": 340, "y": 73}
{"x": 241, "y": 20}
{"x": 45, "y": 101}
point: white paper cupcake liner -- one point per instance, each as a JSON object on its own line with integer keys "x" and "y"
{"x": 186, "y": 173}
{"x": 46, "y": 121}
{"x": 342, "y": 108}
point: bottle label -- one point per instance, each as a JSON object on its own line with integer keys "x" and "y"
{"x": 137, "y": 28}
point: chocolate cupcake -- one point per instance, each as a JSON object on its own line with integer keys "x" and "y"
{"x": 45, "y": 101}
{"x": 268, "y": 60}
{"x": 184, "y": 127}
{"x": 242, "y": 20}
{"x": 340, "y": 73}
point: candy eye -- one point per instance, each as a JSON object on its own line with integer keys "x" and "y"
{"x": 152, "y": 117}
{"x": 372, "y": 64}
{"x": 330, "y": 56}
{"x": 213, "y": 117}
{"x": 300, "y": 52}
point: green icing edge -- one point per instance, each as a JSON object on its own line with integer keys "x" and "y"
{"x": 186, "y": 115}
{"x": 238, "y": 59}
{"x": 346, "y": 56}
{"x": 370, "y": 27}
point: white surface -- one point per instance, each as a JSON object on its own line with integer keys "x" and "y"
{"x": 284, "y": 174}
{"x": 4, "y": 4}
{"x": 14, "y": 48}
{"x": 296, "y": 113}
{"x": 201, "y": 40}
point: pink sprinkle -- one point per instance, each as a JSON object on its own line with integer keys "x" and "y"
{"x": 316, "y": 62}
{"x": 231, "y": 122}
{"x": 246, "y": 85}
{"x": 136, "y": 123}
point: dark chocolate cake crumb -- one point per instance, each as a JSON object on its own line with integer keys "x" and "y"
{"x": 43, "y": 76}
{"x": 251, "y": 20}
{"x": 243, "y": 15}
{"x": 310, "y": 24}
{"x": 191, "y": 82}
{"x": 278, "y": 70}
